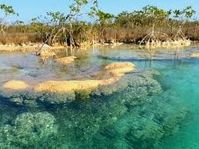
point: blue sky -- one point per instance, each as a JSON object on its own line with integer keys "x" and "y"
{"x": 32, "y": 8}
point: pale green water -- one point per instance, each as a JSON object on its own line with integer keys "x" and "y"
{"x": 128, "y": 119}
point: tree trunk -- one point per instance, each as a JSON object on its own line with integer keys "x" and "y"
{"x": 71, "y": 37}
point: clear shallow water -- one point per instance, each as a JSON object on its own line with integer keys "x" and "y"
{"x": 183, "y": 80}
{"x": 167, "y": 120}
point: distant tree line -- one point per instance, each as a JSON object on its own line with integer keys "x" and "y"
{"x": 128, "y": 27}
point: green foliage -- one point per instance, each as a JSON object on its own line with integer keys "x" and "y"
{"x": 154, "y": 12}
{"x": 145, "y": 16}
{"x": 76, "y": 8}
{"x": 56, "y": 18}
{"x": 7, "y": 10}
{"x": 104, "y": 17}
{"x": 186, "y": 13}
{"x": 189, "y": 12}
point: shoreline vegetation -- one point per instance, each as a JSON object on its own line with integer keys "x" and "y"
{"x": 47, "y": 51}
{"x": 150, "y": 28}
{"x": 33, "y": 47}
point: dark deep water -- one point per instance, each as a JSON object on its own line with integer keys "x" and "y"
{"x": 158, "y": 108}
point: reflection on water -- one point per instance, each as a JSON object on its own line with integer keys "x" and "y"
{"x": 158, "y": 108}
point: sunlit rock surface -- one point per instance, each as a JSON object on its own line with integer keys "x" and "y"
{"x": 15, "y": 85}
{"x": 112, "y": 72}
{"x": 65, "y": 91}
{"x": 194, "y": 55}
{"x": 135, "y": 85}
{"x": 119, "y": 68}
{"x": 179, "y": 43}
{"x": 66, "y": 86}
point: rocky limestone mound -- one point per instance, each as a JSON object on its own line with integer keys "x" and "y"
{"x": 194, "y": 55}
{"x": 113, "y": 72}
{"x": 15, "y": 85}
{"x": 45, "y": 51}
{"x": 153, "y": 44}
{"x": 66, "y": 91}
{"x": 133, "y": 88}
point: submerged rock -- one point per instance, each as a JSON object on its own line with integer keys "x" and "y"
{"x": 28, "y": 130}
{"x": 66, "y": 60}
{"x": 85, "y": 119}
{"x": 145, "y": 125}
{"x": 134, "y": 86}
{"x": 119, "y": 68}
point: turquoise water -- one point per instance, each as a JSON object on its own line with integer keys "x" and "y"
{"x": 183, "y": 80}
{"x": 156, "y": 108}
